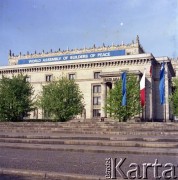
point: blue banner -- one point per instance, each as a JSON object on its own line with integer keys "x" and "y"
{"x": 72, "y": 57}
{"x": 124, "y": 89}
{"x": 162, "y": 84}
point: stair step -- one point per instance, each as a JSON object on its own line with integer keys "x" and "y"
{"x": 92, "y": 142}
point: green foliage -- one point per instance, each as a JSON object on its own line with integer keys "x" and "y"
{"x": 114, "y": 100}
{"x": 15, "y": 98}
{"x": 61, "y": 99}
{"x": 174, "y": 97}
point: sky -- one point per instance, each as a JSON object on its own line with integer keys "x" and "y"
{"x": 29, "y": 25}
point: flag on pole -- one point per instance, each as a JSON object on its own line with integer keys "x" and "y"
{"x": 142, "y": 90}
{"x": 124, "y": 89}
{"x": 162, "y": 84}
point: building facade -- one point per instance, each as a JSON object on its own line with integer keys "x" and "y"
{"x": 96, "y": 70}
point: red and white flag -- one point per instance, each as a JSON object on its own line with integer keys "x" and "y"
{"x": 142, "y": 90}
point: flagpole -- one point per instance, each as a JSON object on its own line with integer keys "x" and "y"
{"x": 124, "y": 92}
{"x": 145, "y": 95}
{"x": 162, "y": 90}
{"x": 164, "y": 97}
{"x": 165, "y": 112}
{"x": 142, "y": 95}
{"x": 165, "y": 100}
{"x": 145, "y": 109}
{"x": 151, "y": 99}
{"x": 152, "y": 90}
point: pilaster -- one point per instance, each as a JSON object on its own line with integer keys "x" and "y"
{"x": 148, "y": 96}
{"x": 103, "y": 99}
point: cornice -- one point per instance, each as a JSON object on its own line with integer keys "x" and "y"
{"x": 124, "y": 57}
{"x": 82, "y": 64}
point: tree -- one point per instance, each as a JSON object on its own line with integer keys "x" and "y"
{"x": 113, "y": 103}
{"x": 15, "y": 98}
{"x": 174, "y": 97}
{"x": 62, "y": 99}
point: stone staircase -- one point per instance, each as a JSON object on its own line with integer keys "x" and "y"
{"x": 93, "y": 127}
{"x": 90, "y": 136}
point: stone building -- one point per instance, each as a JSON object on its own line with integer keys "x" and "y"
{"x": 95, "y": 70}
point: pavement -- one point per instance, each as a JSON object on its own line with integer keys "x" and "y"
{"x": 77, "y": 165}
{"x": 18, "y": 174}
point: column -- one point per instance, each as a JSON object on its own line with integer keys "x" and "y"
{"x": 153, "y": 92}
{"x": 148, "y": 114}
{"x": 103, "y": 99}
{"x": 151, "y": 101}
{"x": 113, "y": 84}
{"x": 40, "y": 114}
{"x": 166, "y": 105}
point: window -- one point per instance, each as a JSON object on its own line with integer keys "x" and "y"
{"x": 28, "y": 79}
{"x": 97, "y": 89}
{"x": 71, "y": 76}
{"x": 97, "y": 100}
{"x": 35, "y": 113}
{"x": 96, "y": 112}
{"x": 96, "y": 75}
{"x": 46, "y": 114}
{"x": 48, "y": 78}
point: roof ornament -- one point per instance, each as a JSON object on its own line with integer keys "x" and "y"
{"x": 137, "y": 39}
{"x": 10, "y": 52}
